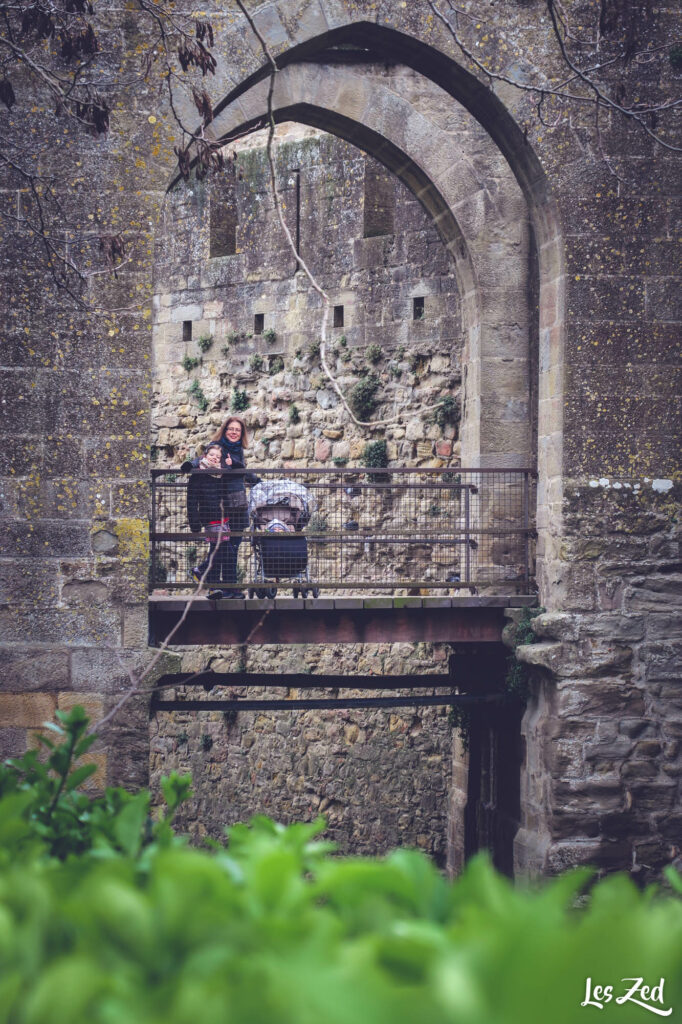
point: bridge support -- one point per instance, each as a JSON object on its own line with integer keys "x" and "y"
{"x": 330, "y": 620}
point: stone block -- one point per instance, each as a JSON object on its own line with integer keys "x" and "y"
{"x": 135, "y": 626}
{"x": 27, "y": 710}
{"x": 12, "y": 742}
{"x": 26, "y": 668}
{"x": 662, "y": 660}
{"x": 92, "y": 705}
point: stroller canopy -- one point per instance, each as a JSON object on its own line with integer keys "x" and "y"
{"x": 282, "y": 492}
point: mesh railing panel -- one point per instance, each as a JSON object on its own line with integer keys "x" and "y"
{"x": 438, "y": 530}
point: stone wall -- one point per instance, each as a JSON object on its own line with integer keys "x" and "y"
{"x": 380, "y": 776}
{"x": 375, "y": 279}
{"x": 605, "y": 715}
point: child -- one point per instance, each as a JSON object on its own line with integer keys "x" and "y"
{"x": 207, "y": 511}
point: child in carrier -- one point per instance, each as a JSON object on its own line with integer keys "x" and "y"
{"x": 207, "y": 512}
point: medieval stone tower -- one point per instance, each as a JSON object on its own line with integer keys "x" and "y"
{"x": 488, "y": 237}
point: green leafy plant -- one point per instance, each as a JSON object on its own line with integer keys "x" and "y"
{"x": 362, "y": 398}
{"x": 198, "y": 395}
{"x": 240, "y": 400}
{"x": 374, "y": 353}
{"x": 153, "y": 453}
{"x": 375, "y": 454}
{"x": 256, "y": 362}
{"x": 204, "y": 342}
{"x": 314, "y": 349}
{"x": 343, "y": 341}
{"x": 276, "y": 365}
{"x": 270, "y": 336}
{"x": 44, "y": 812}
{"x": 189, "y": 363}
{"x": 109, "y": 917}
{"x": 318, "y": 523}
{"x": 232, "y": 337}
{"x": 339, "y": 461}
{"x": 294, "y": 413}
{"x": 517, "y": 683}
{"x": 460, "y": 719}
{"x": 447, "y": 411}
{"x": 206, "y": 742}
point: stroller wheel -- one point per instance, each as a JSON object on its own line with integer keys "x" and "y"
{"x": 271, "y": 592}
{"x": 295, "y": 591}
{"x": 251, "y": 592}
{"x": 304, "y": 593}
{"x": 261, "y": 592}
{"x": 315, "y": 591}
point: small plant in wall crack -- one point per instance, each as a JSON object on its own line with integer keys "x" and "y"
{"x": 363, "y": 396}
{"x": 205, "y": 342}
{"x": 256, "y": 362}
{"x": 460, "y": 719}
{"x": 516, "y": 683}
{"x": 270, "y": 336}
{"x": 447, "y": 411}
{"x": 198, "y": 395}
{"x": 190, "y": 363}
{"x": 294, "y": 414}
{"x": 375, "y": 454}
{"x": 240, "y": 400}
{"x": 374, "y": 353}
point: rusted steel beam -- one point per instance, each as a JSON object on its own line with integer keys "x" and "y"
{"x": 208, "y": 624}
{"x": 299, "y": 681}
{"x": 307, "y": 705}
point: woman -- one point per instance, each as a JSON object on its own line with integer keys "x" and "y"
{"x": 233, "y": 438}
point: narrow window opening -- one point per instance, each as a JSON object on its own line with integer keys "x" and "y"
{"x": 338, "y": 316}
{"x": 186, "y": 330}
{"x": 258, "y": 323}
{"x": 379, "y": 200}
{"x": 223, "y": 220}
{"x": 418, "y": 307}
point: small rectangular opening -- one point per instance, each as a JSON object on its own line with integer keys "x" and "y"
{"x": 418, "y": 307}
{"x": 338, "y": 316}
{"x": 258, "y": 323}
{"x": 186, "y": 330}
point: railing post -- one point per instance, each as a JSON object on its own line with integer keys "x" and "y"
{"x": 467, "y": 537}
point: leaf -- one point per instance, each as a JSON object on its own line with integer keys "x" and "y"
{"x": 84, "y": 745}
{"x": 78, "y": 777}
{"x": 129, "y": 824}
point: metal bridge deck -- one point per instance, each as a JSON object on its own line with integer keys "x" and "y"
{"x": 282, "y": 620}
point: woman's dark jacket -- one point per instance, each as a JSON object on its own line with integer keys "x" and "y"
{"x": 236, "y": 482}
{"x": 210, "y": 497}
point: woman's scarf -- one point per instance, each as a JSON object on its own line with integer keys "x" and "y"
{"x": 234, "y": 449}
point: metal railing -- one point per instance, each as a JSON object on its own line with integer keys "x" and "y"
{"x": 349, "y": 529}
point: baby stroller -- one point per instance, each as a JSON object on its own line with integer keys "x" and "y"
{"x": 281, "y": 509}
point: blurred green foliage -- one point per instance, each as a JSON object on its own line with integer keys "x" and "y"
{"x": 108, "y": 918}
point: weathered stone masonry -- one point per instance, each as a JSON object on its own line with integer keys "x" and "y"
{"x": 77, "y": 390}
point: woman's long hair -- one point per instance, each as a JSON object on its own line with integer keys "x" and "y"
{"x": 220, "y": 432}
